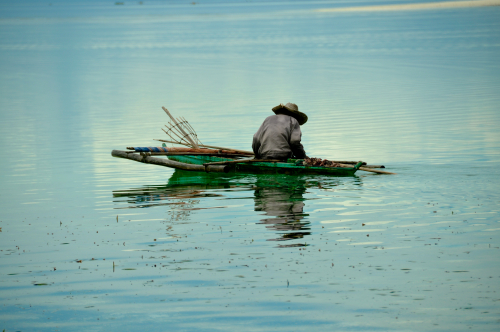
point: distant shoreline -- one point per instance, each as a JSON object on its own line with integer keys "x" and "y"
{"x": 416, "y": 6}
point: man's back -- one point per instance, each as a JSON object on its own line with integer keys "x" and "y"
{"x": 278, "y": 138}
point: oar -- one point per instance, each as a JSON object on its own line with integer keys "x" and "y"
{"x": 375, "y": 171}
{"x": 368, "y": 169}
{"x": 355, "y": 162}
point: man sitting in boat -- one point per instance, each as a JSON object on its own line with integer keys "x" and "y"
{"x": 279, "y": 135}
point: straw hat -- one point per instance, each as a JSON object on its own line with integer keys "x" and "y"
{"x": 292, "y": 110}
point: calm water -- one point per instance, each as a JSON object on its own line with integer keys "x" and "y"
{"x": 91, "y": 242}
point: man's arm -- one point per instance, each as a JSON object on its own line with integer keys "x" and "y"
{"x": 256, "y": 146}
{"x": 295, "y": 137}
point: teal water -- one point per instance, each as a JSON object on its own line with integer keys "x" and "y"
{"x": 91, "y": 242}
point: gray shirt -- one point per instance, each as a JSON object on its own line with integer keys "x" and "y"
{"x": 278, "y": 138}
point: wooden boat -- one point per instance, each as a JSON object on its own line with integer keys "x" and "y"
{"x": 290, "y": 167}
{"x": 205, "y": 158}
{"x": 210, "y": 163}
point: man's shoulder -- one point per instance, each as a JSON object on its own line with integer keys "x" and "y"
{"x": 283, "y": 121}
{"x": 280, "y": 118}
{"x": 271, "y": 117}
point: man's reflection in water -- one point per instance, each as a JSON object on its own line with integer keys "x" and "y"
{"x": 279, "y": 199}
{"x": 283, "y": 204}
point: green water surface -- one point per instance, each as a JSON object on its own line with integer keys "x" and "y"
{"x": 94, "y": 243}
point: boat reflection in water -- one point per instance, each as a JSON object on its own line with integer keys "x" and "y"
{"x": 280, "y": 198}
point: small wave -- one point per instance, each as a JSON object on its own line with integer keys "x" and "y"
{"x": 415, "y": 6}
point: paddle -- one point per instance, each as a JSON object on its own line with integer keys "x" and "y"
{"x": 368, "y": 169}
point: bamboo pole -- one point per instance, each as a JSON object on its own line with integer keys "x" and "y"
{"x": 223, "y": 155}
{"x": 193, "y": 143}
{"x": 168, "y": 163}
{"x": 375, "y": 171}
{"x": 199, "y": 150}
{"x": 373, "y": 166}
{"x": 207, "y": 146}
{"x": 355, "y": 162}
{"x": 368, "y": 169}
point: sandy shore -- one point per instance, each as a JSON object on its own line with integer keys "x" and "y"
{"x": 416, "y": 6}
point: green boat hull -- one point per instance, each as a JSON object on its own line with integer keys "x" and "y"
{"x": 290, "y": 167}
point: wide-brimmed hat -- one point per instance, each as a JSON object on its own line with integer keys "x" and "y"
{"x": 292, "y": 110}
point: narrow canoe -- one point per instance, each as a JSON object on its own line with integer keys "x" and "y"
{"x": 198, "y": 163}
{"x": 291, "y": 167}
